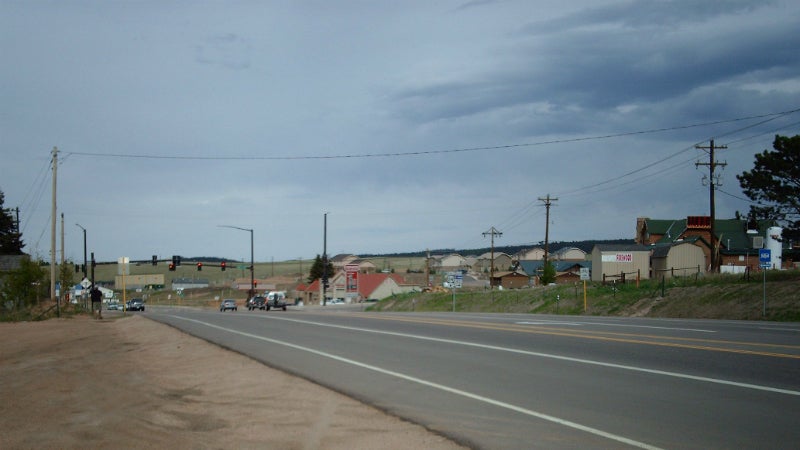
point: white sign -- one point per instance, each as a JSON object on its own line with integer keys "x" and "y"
{"x": 584, "y": 273}
{"x": 454, "y": 280}
{"x": 86, "y": 283}
{"x": 618, "y": 257}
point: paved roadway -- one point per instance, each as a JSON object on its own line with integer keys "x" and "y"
{"x": 532, "y": 381}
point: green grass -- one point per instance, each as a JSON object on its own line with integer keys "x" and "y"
{"x": 713, "y": 296}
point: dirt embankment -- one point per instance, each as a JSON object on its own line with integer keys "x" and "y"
{"x": 133, "y": 383}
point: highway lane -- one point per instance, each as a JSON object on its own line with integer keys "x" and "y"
{"x": 530, "y": 381}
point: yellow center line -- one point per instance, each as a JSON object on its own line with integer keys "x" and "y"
{"x": 630, "y": 338}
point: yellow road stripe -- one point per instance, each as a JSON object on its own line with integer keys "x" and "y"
{"x": 629, "y": 338}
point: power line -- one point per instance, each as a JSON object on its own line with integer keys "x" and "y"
{"x": 772, "y": 116}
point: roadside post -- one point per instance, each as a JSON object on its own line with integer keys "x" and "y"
{"x": 123, "y": 268}
{"x": 455, "y": 280}
{"x": 764, "y": 260}
{"x": 584, "y": 277}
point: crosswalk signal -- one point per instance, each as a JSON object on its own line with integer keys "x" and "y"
{"x": 171, "y": 267}
{"x": 222, "y": 266}
{"x": 199, "y": 267}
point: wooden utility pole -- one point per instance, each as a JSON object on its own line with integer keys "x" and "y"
{"x": 547, "y": 202}
{"x": 493, "y": 232}
{"x": 53, "y": 219}
{"x": 712, "y": 186}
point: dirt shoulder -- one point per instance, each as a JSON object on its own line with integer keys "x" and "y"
{"x": 134, "y": 383}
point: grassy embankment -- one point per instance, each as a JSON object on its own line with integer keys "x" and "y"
{"x": 711, "y": 296}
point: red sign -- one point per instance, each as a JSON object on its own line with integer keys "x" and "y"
{"x": 351, "y": 282}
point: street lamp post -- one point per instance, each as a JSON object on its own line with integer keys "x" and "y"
{"x": 84, "y": 264}
{"x": 84, "y": 248}
{"x": 325, "y": 260}
{"x": 252, "y": 291}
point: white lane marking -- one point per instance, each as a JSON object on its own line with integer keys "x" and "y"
{"x": 549, "y": 355}
{"x": 438, "y": 386}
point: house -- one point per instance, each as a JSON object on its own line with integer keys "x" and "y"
{"x": 678, "y": 259}
{"x": 339, "y": 261}
{"x": 569, "y": 254}
{"x": 620, "y": 262}
{"x": 514, "y": 279}
{"x": 449, "y": 263}
{"x": 738, "y": 240}
{"x": 532, "y": 254}
{"x": 502, "y": 261}
{"x": 566, "y": 271}
{"x": 309, "y": 294}
{"x": 370, "y": 285}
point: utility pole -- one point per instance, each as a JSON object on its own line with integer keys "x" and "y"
{"x": 712, "y": 186}
{"x": 428, "y": 267}
{"x": 63, "y": 288}
{"x": 547, "y": 202}
{"x": 324, "y": 279}
{"x": 493, "y": 232}
{"x": 53, "y": 219}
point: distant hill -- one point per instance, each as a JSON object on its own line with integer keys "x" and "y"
{"x": 586, "y": 246}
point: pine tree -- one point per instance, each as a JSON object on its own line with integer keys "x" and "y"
{"x": 774, "y": 183}
{"x": 10, "y": 238}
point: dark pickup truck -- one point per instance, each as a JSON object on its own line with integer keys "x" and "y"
{"x": 257, "y": 302}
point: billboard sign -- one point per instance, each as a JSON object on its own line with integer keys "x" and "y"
{"x": 351, "y": 278}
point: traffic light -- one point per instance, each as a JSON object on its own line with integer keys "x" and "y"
{"x": 172, "y": 267}
{"x": 222, "y": 266}
{"x": 78, "y": 268}
{"x": 199, "y": 267}
{"x": 155, "y": 260}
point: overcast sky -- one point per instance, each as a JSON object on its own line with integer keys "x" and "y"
{"x": 413, "y": 124}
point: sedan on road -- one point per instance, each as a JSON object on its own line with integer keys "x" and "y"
{"x": 228, "y": 304}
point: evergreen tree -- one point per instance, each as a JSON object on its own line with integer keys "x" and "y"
{"x": 316, "y": 270}
{"x": 25, "y": 286}
{"x": 10, "y": 239}
{"x": 774, "y": 183}
{"x": 548, "y": 274}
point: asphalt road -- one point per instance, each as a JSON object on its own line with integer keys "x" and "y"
{"x": 530, "y": 381}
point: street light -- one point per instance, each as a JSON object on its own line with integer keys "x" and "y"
{"x": 325, "y": 260}
{"x": 84, "y": 248}
{"x": 252, "y": 264}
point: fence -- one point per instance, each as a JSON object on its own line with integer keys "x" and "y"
{"x": 681, "y": 272}
{"x": 621, "y": 277}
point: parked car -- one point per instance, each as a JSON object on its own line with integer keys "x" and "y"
{"x": 135, "y": 304}
{"x": 114, "y": 306}
{"x": 257, "y": 302}
{"x": 228, "y": 304}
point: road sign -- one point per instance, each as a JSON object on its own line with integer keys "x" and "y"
{"x": 584, "y": 273}
{"x": 765, "y": 258}
{"x": 86, "y": 284}
{"x": 454, "y": 280}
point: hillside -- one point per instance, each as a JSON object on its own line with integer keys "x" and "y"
{"x": 711, "y": 297}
